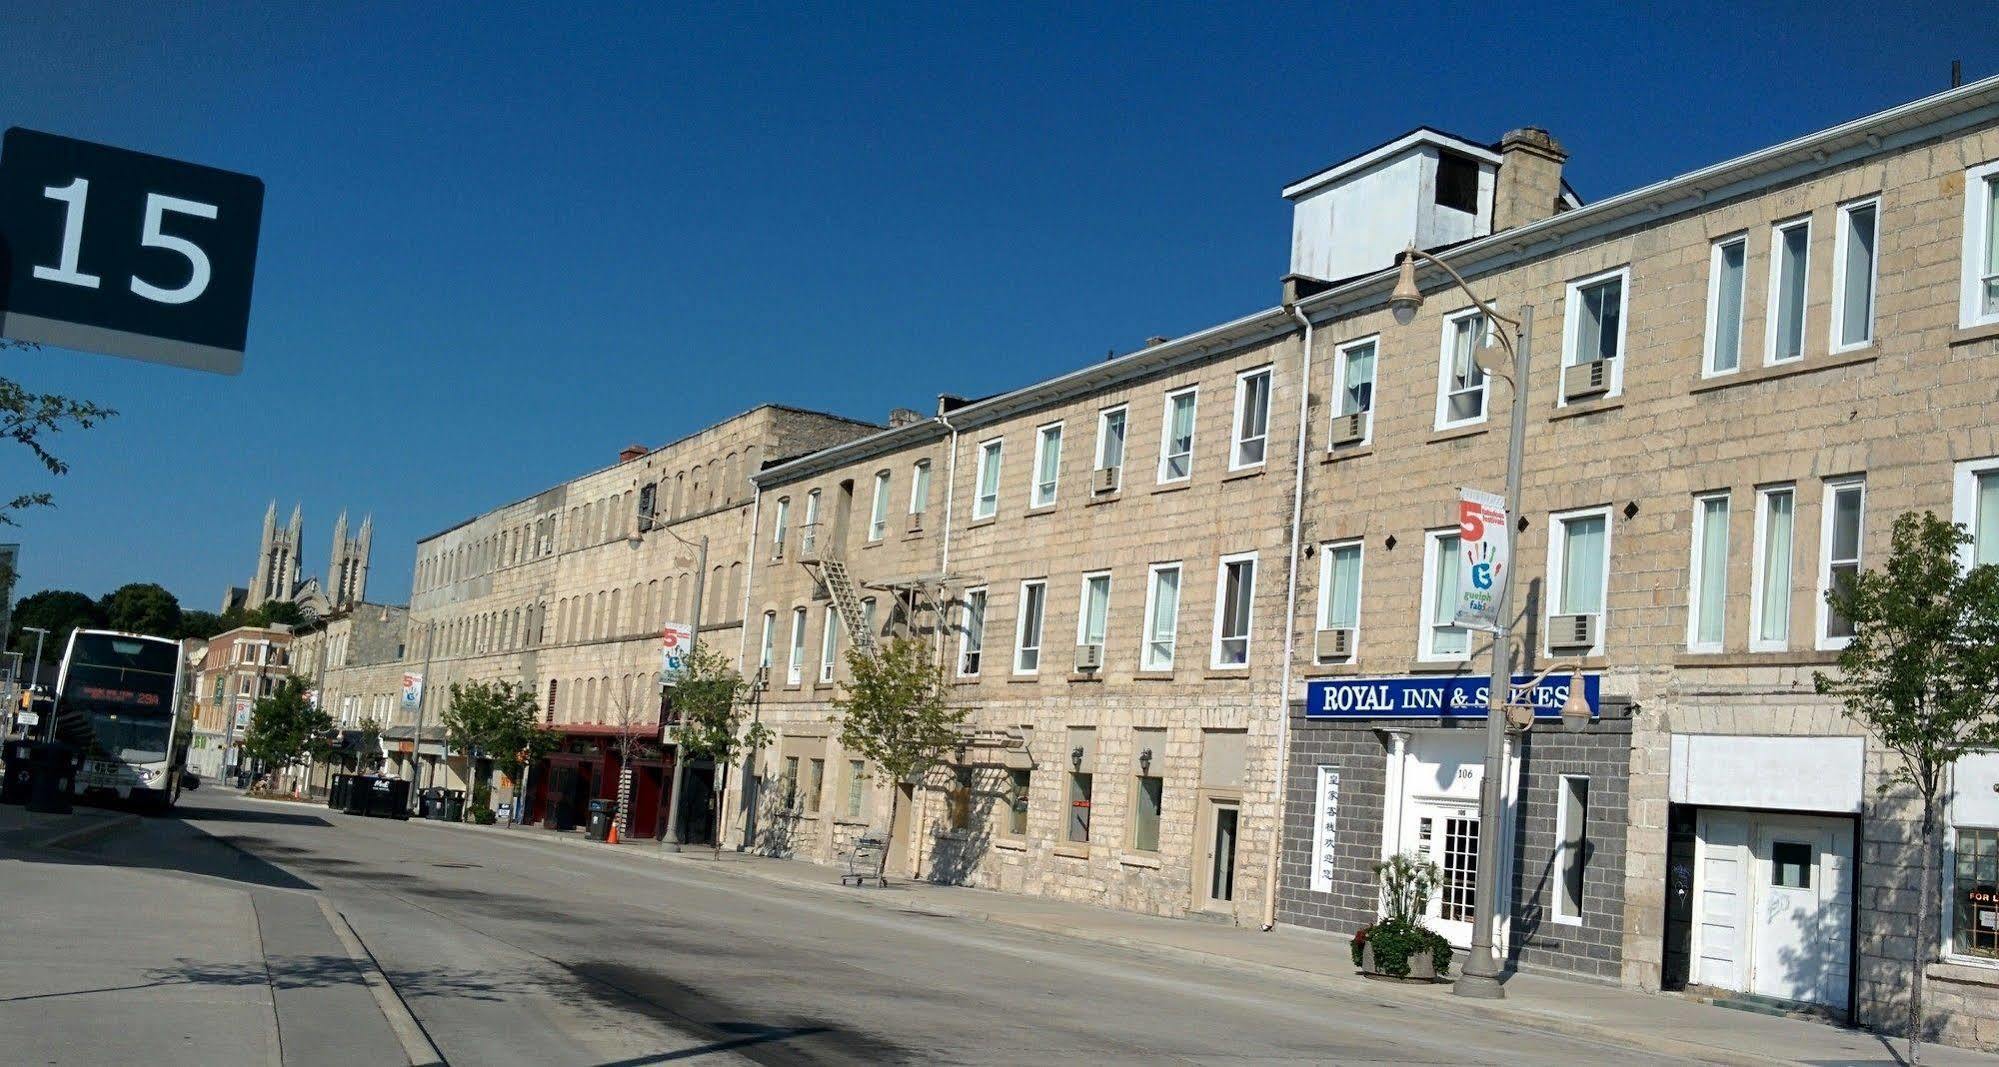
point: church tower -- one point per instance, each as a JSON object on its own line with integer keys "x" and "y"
{"x": 278, "y": 560}
{"x": 347, "y": 568}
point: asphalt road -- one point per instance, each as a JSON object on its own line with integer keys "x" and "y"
{"x": 510, "y": 949}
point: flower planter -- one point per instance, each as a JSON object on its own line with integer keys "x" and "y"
{"x": 1422, "y": 967}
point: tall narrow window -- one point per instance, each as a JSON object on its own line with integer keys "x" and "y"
{"x": 1979, "y": 303}
{"x": 1790, "y": 253}
{"x": 780, "y": 527}
{"x": 1148, "y": 796}
{"x": 791, "y": 783}
{"x": 878, "y": 510}
{"x": 919, "y": 489}
{"x": 958, "y": 800}
{"x": 1594, "y": 324}
{"x": 1461, "y": 384}
{"x": 1578, "y": 568}
{"x": 986, "y": 504}
{"x": 1353, "y": 392}
{"x": 1252, "y": 418}
{"x": 1018, "y": 786}
{"x": 829, "y": 644}
{"x": 808, "y": 536}
{"x": 1709, "y": 602}
{"x": 1726, "y": 278}
{"x": 972, "y": 632}
{"x": 794, "y": 671}
{"x": 1027, "y": 632}
{"x": 1110, "y": 439}
{"x": 857, "y": 777}
{"x": 1235, "y": 595}
{"x": 1973, "y": 872}
{"x": 1442, "y": 638}
{"x": 1853, "y": 290}
{"x": 1093, "y": 614}
{"x": 1047, "y": 464}
{"x": 1976, "y": 508}
{"x": 868, "y": 615}
{"x": 1162, "y": 616}
{"x": 1770, "y": 612}
{"x": 1572, "y": 833}
{"x": 1079, "y": 807}
{"x": 1176, "y": 448}
{"x": 769, "y": 638}
{"x": 1339, "y": 586}
{"x": 1845, "y": 501}
{"x": 815, "y": 785}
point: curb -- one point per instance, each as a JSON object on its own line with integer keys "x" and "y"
{"x": 416, "y": 1043}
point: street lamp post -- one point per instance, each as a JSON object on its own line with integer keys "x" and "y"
{"x": 1480, "y": 975}
{"x": 672, "y": 840}
{"x": 35, "y": 674}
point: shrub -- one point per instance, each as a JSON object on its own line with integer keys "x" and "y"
{"x": 1396, "y": 942}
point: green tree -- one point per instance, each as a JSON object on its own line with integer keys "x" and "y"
{"x": 500, "y": 721}
{"x": 58, "y": 611}
{"x": 895, "y": 712}
{"x": 143, "y": 608}
{"x": 27, "y": 419}
{"x": 277, "y": 613}
{"x": 1922, "y": 675}
{"x": 285, "y": 728}
{"x": 709, "y": 706}
{"x": 201, "y": 624}
{"x": 371, "y": 743}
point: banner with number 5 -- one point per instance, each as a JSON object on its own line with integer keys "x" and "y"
{"x": 1485, "y": 547}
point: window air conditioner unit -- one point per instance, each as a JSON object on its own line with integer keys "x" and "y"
{"x": 1335, "y": 643}
{"x": 1586, "y": 379}
{"x": 1350, "y": 429}
{"x": 1089, "y": 657}
{"x": 1105, "y": 481}
{"x": 1572, "y": 631}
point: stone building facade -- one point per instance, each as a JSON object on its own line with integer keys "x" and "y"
{"x": 237, "y": 667}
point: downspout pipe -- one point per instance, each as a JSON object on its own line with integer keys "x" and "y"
{"x": 1290, "y": 616}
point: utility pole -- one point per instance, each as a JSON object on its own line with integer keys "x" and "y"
{"x": 35, "y": 674}
{"x": 672, "y": 842}
{"x": 422, "y": 698}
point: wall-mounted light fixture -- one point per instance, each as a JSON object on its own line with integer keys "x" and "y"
{"x": 1076, "y": 755}
{"x": 1145, "y": 761}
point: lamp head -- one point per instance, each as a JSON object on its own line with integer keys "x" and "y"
{"x": 1406, "y": 298}
{"x": 1575, "y": 710}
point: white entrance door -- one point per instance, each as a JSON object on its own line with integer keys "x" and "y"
{"x": 1802, "y": 912}
{"x": 1445, "y": 832}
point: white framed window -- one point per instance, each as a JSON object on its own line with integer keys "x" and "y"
{"x": 971, "y": 632}
{"x": 868, "y": 615}
{"x": 1027, "y": 628}
{"x": 1975, "y": 506}
{"x": 1235, "y": 600}
{"x": 1047, "y": 464}
{"x": 794, "y": 671}
{"x": 1593, "y": 321}
{"x": 1572, "y": 845}
{"x": 1790, "y": 262}
{"x": 1855, "y": 267}
{"x": 985, "y": 500}
{"x": 919, "y": 487}
{"x": 1110, "y": 438}
{"x": 878, "y": 510}
{"x": 768, "y": 643}
{"x": 1461, "y": 385}
{"x": 1353, "y": 385}
{"x": 1579, "y": 568}
{"x": 1978, "y": 303}
{"x": 829, "y": 644}
{"x": 1251, "y": 441}
{"x": 1339, "y": 585}
{"x": 1841, "y": 528}
{"x": 780, "y": 527}
{"x": 1727, "y": 280}
{"x": 1093, "y": 613}
{"x": 808, "y": 536}
{"x": 1441, "y": 639}
{"x": 1770, "y": 588}
{"x": 1707, "y": 595}
{"x": 1176, "y": 442}
{"x": 1162, "y": 616}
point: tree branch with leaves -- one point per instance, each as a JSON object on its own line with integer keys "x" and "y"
{"x": 895, "y": 712}
{"x": 711, "y": 718}
{"x": 28, "y": 419}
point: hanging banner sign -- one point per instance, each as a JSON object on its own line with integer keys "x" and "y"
{"x": 676, "y": 643}
{"x": 1485, "y": 551}
{"x": 1325, "y": 828}
{"x": 243, "y": 713}
{"x": 412, "y": 690}
{"x": 1423, "y": 697}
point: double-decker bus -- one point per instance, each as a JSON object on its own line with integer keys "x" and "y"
{"x": 118, "y": 701}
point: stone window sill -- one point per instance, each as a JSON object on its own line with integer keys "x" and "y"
{"x": 1040, "y": 509}
{"x": 1454, "y": 666}
{"x": 1024, "y": 679}
{"x": 793, "y": 687}
{"x": 969, "y": 679}
{"x": 1009, "y": 845}
{"x": 1174, "y": 487}
{"x": 873, "y": 543}
{"x": 1245, "y": 473}
{"x": 1807, "y": 365}
{"x": 1226, "y": 674}
{"x": 1341, "y": 455}
{"x": 844, "y": 821}
{"x": 976, "y": 524}
{"x": 1974, "y": 334}
{"x": 1331, "y": 670}
{"x": 1103, "y": 498}
{"x": 1149, "y": 861}
{"x": 913, "y": 535}
{"x": 1587, "y": 407}
{"x": 1985, "y": 974}
{"x": 1080, "y": 677}
{"x": 1073, "y": 851}
{"x": 1459, "y": 433}
{"x": 1152, "y": 676}
{"x": 1785, "y": 658}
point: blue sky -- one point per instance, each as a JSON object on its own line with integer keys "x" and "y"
{"x": 499, "y": 244}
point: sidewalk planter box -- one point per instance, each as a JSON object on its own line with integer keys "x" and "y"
{"x": 1393, "y": 949}
{"x": 1418, "y": 967}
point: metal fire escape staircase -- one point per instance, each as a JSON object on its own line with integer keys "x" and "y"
{"x": 832, "y": 573}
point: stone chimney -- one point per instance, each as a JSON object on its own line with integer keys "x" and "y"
{"x": 631, "y": 452}
{"x": 1530, "y": 178}
{"x": 898, "y": 417}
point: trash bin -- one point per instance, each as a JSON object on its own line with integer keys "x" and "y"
{"x": 600, "y": 819}
{"x": 386, "y": 798}
{"x": 452, "y": 807}
{"x": 14, "y": 778}
{"x": 426, "y": 802}
{"x": 337, "y": 791}
{"x": 354, "y": 799}
{"x": 53, "y": 770}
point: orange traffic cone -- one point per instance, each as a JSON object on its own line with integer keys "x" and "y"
{"x": 613, "y": 839}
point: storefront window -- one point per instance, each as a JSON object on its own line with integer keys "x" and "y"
{"x": 1975, "y": 894}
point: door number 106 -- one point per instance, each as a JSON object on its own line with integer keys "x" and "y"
{"x": 73, "y": 196}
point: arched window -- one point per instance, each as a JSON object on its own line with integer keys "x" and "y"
{"x": 653, "y": 619}
{"x": 732, "y": 606}
{"x": 611, "y": 616}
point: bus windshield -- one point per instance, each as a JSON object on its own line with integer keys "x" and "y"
{"x": 119, "y": 692}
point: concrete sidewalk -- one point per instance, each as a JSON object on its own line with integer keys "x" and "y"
{"x": 1656, "y": 1022}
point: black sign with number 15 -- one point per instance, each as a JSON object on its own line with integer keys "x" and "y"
{"x": 112, "y": 251}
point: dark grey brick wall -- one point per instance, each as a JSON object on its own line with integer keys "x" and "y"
{"x": 1603, "y": 753}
